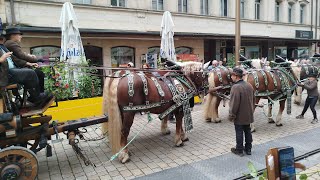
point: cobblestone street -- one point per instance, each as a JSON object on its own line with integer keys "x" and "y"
{"x": 152, "y": 152}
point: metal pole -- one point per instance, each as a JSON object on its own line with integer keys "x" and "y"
{"x": 13, "y": 15}
{"x": 316, "y": 27}
{"x": 238, "y": 38}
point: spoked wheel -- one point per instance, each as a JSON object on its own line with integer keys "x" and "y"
{"x": 18, "y": 163}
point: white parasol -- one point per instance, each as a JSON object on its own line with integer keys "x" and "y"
{"x": 71, "y": 44}
{"x": 167, "y": 49}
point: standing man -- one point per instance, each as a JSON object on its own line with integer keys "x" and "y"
{"x": 13, "y": 38}
{"x": 242, "y": 105}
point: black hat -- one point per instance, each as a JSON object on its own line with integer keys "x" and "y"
{"x": 237, "y": 72}
{"x": 13, "y": 30}
{"x": 316, "y": 55}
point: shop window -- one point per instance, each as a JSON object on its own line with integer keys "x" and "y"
{"x": 183, "y": 50}
{"x": 46, "y": 52}
{"x": 157, "y": 5}
{"x": 122, "y": 55}
{"x": 183, "y": 6}
{"x": 204, "y": 7}
{"x": 277, "y": 12}
{"x": 257, "y": 9}
{"x": 280, "y": 51}
{"x": 253, "y": 52}
{"x": 224, "y": 7}
{"x": 242, "y": 8}
{"x": 82, "y": 1}
{"x": 118, "y": 3}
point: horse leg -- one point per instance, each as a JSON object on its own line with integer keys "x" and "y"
{"x": 208, "y": 107}
{"x": 270, "y": 118}
{"x": 184, "y": 136}
{"x": 216, "y": 108}
{"x": 298, "y": 94}
{"x": 127, "y": 119}
{"x": 179, "y": 116}
{"x": 279, "y": 116}
{"x": 252, "y": 126}
{"x": 164, "y": 126}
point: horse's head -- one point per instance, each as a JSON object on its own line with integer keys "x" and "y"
{"x": 196, "y": 74}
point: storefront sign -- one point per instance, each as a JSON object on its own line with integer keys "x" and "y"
{"x": 304, "y": 34}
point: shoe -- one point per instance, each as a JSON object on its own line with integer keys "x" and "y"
{"x": 42, "y": 98}
{"x": 248, "y": 152}
{"x": 314, "y": 121}
{"x": 300, "y": 117}
{"x": 236, "y": 152}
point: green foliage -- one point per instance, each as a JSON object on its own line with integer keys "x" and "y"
{"x": 303, "y": 177}
{"x": 89, "y": 84}
{"x": 231, "y": 62}
{"x": 56, "y": 81}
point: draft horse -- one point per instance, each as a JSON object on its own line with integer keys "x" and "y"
{"x": 155, "y": 91}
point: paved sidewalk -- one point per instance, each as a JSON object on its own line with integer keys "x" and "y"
{"x": 151, "y": 152}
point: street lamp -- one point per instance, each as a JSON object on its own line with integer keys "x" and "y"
{"x": 238, "y": 38}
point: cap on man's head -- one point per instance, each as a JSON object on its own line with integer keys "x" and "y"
{"x": 13, "y": 30}
{"x": 130, "y": 64}
{"x": 237, "y": 72}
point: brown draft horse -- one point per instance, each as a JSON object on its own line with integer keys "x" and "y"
{"x": 116, "y": 97}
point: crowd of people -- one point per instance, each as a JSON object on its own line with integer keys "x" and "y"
{"x": 18, "y": 67}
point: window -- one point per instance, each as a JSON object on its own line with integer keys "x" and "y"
{"x": 224, "y": 7}
{"x": 277, "y": 13}
{"x": 290, "y": 13}
{"x": 46, "y": 52}
{"x": 204, "y": 7}
{"x": 242, "y": 8}
{"x": 122, "y": 55}
{"x": 118, "y": 3}
{"x": 301, "y": 14}
{"x": 257, "y": 10}
{"x": 157, "y": 5}
{"x": 183, "y": 50}
{"x": 82, "y": 1}
{"x": 182, "y": 6}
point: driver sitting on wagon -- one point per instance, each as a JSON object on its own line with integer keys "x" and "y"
{"x": 12, "y": 70}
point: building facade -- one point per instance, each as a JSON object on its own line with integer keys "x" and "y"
{"x": 115, "y": 32}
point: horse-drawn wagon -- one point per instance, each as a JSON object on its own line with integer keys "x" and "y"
{"x": 25, "y": 131}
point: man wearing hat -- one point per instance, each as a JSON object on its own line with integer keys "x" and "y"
{"x": 12, "y": 70}
{"x": 13, "y": 38}
{"x": 313, "y": 95}
{"x": 242, "y": 105}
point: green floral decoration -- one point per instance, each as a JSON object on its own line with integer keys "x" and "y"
{"x": 56, "y": 81}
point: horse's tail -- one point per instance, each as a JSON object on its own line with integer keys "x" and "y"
{"x": 115, "y": 121}
{"x": 105, "y": 104}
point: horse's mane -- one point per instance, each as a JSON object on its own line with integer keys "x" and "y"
{"x": 191, "y": 66}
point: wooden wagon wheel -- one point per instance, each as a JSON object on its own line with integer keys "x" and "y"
{"x": 18, "y": 163}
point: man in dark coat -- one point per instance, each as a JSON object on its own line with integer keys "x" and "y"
{"x": 242, "y": 105}
{"x": 12, "y": 70}
{"x": 13, "y": 38}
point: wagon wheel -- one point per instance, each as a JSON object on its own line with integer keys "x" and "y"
{"x": 18, "y": 163}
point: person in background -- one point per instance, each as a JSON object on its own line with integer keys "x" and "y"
{"x": 13, "y": 40}
{"x": 313, "y": 94}
{"x": 145, "y": 66}
{"x": 130, "y": 65}
{"x": 241, "y": 109}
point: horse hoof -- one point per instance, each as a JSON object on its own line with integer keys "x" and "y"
{"x": 124, "y": 157}
{"x": 179, "y": 144}
{"x": 208, "y": 120}
{"x": 279, "y": 125}
{"x": 166, "y": 132}
{"x": 271, "y": 122}
{"x": 253, "y": 130}
{"x": 186, "y": 139}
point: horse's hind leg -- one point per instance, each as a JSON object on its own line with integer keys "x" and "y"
{"x": 164, "y": 126}
{"x": 298, "y": 95}
{"x": 270, "y": 116}
{"x": 279, "y": 116}
{"x": 127, "y": 119}
{"x": 177, "y": 139}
